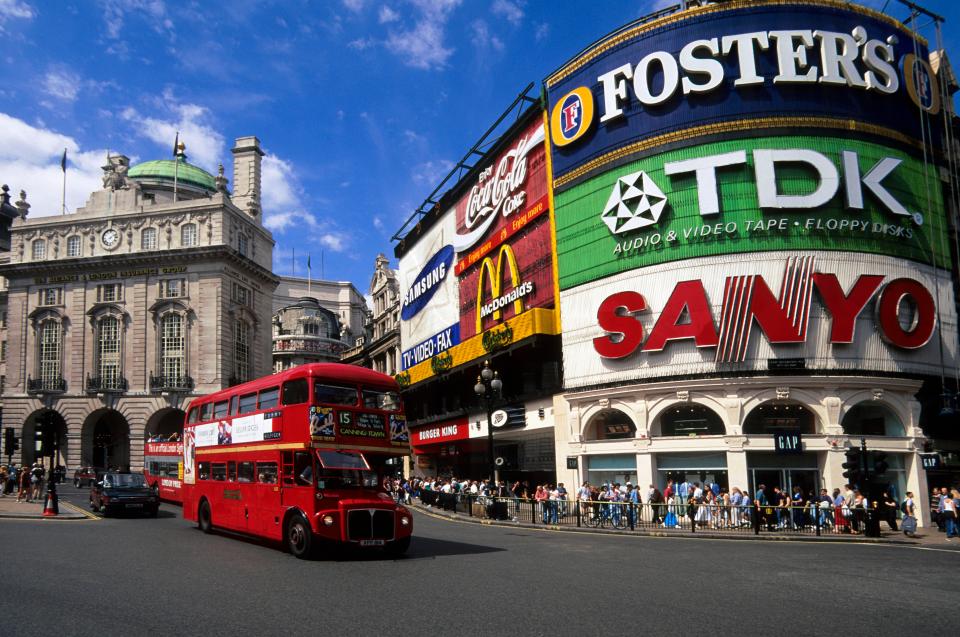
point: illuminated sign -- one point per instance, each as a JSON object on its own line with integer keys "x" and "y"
{"x": 493, "y": 274}
{"x": 441, "y": 433}
{"x": 436, "y": 344}
{"x": 751, "y": 195}
{"x": 426, "y": 283}
{"x": 783, "y": 318}
{"x": 722, "y": 63}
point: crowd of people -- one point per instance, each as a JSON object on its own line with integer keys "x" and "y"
{"x": 25, "y": 480}
{"x": 707, "y": 505}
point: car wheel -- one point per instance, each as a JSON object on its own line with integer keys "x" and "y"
{"x": 299, "y": 537}
{"x": 398, "y": 547}
{"x": 204, "y": 517}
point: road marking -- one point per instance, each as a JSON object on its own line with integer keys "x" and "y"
{"x": 684, "y": 537}
{"x": 83, "y": 511}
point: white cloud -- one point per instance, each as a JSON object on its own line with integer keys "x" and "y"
{"x": 30, "y": 161}
{"x": 62, "y": 84}
{"x": 430, "y": 173}
{"x": 483, "y": 39}
{"x": 361, "y": 44}
{"x": 277, "y": 183}
{"x": 388, "y": 15}
{"x": 354, "y": 5}
{"x": 422, "y": 46}
{"x": 378, "y": 223}
{"x": 115, "y": 14}
{"x": 511, "y": 11}
{"x": 205, "y": 145}
{"x": 541, "y": 31}
{"x": 14, "y": 10}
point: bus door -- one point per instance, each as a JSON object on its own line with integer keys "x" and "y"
{"x": 266, "y": 516}
{"x": 298, "y": 481}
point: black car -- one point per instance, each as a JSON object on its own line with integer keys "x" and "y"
{"x": 123, "y": 492}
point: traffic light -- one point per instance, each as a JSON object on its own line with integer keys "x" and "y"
{"x": 880, "y": 465}
{"x": 9, "y": 439}
{"x": 851, "y": 468}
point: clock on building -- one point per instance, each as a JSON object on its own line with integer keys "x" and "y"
{"x": 110, "y": 238}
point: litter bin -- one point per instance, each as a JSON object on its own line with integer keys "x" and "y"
{"x": 497, "y": 510}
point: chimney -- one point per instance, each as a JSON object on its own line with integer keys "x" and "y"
{"x": 246, "y": 175}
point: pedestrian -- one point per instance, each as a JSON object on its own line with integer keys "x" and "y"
{"x": 935, "y": 516}
{"x": 950, "y": 503}
{"x": 25, "y": 492}
{"x": 889, "y": 510}
{"x": 3, "y": 481}
{"x": 909, "y": 524}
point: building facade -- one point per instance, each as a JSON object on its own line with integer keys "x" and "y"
{"x": 157, "y": 290}
{"x": 754, "y": 251}
{"x": 379, "y": 347}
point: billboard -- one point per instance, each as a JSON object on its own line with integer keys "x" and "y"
{"x": 735, "y": 66}
{"x": 751, "y": 195}
{"x": 726, "y": 314}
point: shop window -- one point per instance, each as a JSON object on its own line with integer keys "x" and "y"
{"x": 610, "y": 424}
{"x": 688, "y": 419}
{"x": 772, "y": 417}
{"x": 872, "y": 419}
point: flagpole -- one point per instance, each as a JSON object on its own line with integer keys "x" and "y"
{"x": 309, "y": 276}
{"x": 63, "y": 196}
{"x": 176, "y": 164}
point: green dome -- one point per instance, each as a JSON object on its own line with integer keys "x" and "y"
{"x": 164, "y": 168}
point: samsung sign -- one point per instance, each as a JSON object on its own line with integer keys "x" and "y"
{"x": 770, "y": 60}
{"x": 426, "y": 283}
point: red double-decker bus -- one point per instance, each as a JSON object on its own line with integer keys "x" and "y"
{"x": 163, "y": 469}
{"x": 299, "y": 457}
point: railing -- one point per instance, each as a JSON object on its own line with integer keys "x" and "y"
{"x": 812, "y": 519}
{"x": 100, "y": 384}
{"x": 56, "y": 385}
{"x": 170, "y": 383}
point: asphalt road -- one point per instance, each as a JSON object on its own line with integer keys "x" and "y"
{"x": 139, "y": 576}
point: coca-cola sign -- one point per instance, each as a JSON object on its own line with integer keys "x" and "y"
{"x": 500, "y": 190}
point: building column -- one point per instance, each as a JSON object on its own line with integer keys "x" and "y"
{"x": 737, "y": 473}
{"x": 917, "y": 483}
{"x": 832, "y": 468}
{"x": 646, "y": 470}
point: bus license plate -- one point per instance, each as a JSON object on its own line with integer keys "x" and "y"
{"x": 371, "y": 542}
{"x": 134, "y": 506}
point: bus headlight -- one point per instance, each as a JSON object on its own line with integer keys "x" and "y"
{"x": 319, "y": 495}
{"x": 404, "y": 521}
{"x": 328, "y": 520}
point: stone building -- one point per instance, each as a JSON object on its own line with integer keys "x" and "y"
{"x": 157, "y": 290}
{"x": 379, "y": 348}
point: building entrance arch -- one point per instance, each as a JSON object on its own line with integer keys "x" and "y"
{"x": 105, "y": 440}
{"x": 33, "y": 427}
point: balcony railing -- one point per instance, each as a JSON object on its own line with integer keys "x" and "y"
{"x": 170, "y": 383}
{"x": 101, "y": 385}
{"x": 56, "y": 385}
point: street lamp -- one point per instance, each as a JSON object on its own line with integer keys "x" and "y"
{"x": 489, "y": 388}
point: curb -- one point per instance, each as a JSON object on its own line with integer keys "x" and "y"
{"x": 706, "y": 535}
{"x": 75, "y": 514}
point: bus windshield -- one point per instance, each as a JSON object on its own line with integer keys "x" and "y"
{"x": 344, "y": 469}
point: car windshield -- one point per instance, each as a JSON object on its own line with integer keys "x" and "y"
{"x": 344, "y": 469}
{"x": 123, "y": 480}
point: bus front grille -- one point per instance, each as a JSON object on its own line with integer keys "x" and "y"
{"x": 366, "y": 524}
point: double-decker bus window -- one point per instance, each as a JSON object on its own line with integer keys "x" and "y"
{"x": 154, "y": 468}
{"x": 192, "y": 418}
{"x": 302, "y": 468}
{"x": 377, "y": 399}
{"x": 233, "y": 405}
{"x": 296, "y": 391}
{"x": 343, "y": 469}
{"x": 268, "y": 398}
{"x": 219, "y": 471}
{"x": 220, "y": 409}
{"x": 232, "y": 471}
{"x": 206, "y": 411}
{"x": 335, "y": 394}
{"x": 245, "y": 472}
{"x": 267, "y": 472}
{"x": 248, "y": 403}
{"x": 203, "y": 470}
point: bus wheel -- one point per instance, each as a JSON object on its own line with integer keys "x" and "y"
{"x": 398, "y": 547}
{"x": 204, "y": 520}
{"x": 299, "y": 538}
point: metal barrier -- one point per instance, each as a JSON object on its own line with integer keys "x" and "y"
{"x": 811, "y": 519}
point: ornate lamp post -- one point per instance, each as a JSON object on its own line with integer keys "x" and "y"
{"x": 489, "y": 388}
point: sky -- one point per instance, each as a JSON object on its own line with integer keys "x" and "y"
{"x": 362, "y": 106}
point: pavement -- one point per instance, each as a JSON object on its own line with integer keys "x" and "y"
{"x": 10, "y": 508}
{"x": 924, "y": 537}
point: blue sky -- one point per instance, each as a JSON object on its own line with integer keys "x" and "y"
{"x": 361, "y": 105}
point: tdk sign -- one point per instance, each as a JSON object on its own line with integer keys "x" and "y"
{"x": 425, "y": 285}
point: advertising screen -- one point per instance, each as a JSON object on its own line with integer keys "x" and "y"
{"x": 729, "y": 67}
{"x": 751, "y": 195}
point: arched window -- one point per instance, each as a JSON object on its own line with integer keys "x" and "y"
{"x": 148, "y": 239}
{"x": 610, "y": 424}
{"x": 772, "y": 417}
{"x": 73, "y": 246}
{"x": 872, "y": 419}
{"x": 50, "y": 346}
{"x": 689, "y": 419}
{"x": 108, "y": 352}
{"x": 39, "y": 249}
{"x": 241, "y": 351}
{"x": 173, "y": 347}
{"x": 188, "y": 235}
